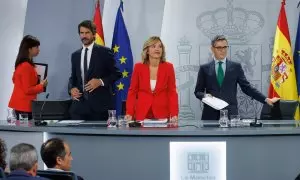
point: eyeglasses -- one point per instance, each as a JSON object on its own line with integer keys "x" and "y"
{"x": 221, "y": 48}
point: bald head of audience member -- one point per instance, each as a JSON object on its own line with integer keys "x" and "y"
{"x": 56, "y": 154}
{"x": 24, "y": 157}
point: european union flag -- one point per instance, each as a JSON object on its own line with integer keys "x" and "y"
{"x": 297, "y": 56}
{"x": 123, "y": 57}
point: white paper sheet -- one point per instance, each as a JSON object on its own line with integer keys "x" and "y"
{"x": 155, "y": 123}
{"x": 159, "y": 121}
{"x": 214, "y": 102}
{"x": 42, "y": 70}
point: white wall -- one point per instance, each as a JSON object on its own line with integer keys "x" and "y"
{"x": 12, "y": 13}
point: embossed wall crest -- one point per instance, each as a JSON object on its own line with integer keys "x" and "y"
{"x": 237, "y": 24}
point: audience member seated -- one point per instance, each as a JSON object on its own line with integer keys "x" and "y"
{"x": 2, "y": 154}
{"x": 2, "y": 174}
{"x": 56, "y": 155}
{"x": 298, "y": 177}
{"x": 23, "y": 163}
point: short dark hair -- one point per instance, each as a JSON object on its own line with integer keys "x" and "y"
{"x": 218, "y": 38}
{"x": 87, "y": 24}
{"x": 3, "y": 150}
{"x": 27, "y": 42}
{"x": 52, "y": 149}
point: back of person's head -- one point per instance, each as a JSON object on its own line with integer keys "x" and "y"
{"x": 27, "y": 42}
{"x": 89, "y": 25}
{"x": 56, "y": 153}
{"x": 2, "y": 154}
{"x": 23, "y": 157}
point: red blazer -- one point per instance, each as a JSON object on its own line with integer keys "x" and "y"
{"x": 25, "y": 90}
{"x": 164, "y": 98}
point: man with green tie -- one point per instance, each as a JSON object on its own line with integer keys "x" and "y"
{"x": 219, "y": 78}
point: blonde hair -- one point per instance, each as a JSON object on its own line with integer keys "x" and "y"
{"x": 152, "y": 40}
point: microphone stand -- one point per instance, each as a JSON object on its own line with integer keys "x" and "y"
{"x": 255, "y": 123}
{"x": 40, "y": 122}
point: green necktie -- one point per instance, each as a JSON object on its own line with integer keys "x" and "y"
{"x": 220, "y": 75}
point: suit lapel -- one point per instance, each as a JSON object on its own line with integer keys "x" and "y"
{"x": 147, "y": 75}
{"x": 78, "y": 64}
{"x": 226, "y": 73}
{"x": 159, "y": 76}
{"x": 212, "y": 70}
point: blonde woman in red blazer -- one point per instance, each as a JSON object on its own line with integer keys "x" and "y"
{"x": 25, "y": 77}
{"x": 152, "y": 93}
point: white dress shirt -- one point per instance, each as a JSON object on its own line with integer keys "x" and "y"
{"x": 152, "y": 84}
{"x": 89, "y": 54}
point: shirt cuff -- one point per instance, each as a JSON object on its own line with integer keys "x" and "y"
{"x": 102, "y": 83}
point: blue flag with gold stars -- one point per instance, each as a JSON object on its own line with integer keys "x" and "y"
{"x": 297, "y": 56}
{"x": 123, "y": 57}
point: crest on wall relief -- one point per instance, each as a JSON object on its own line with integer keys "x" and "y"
{"x": 248, "y": 107}
{"x": 237, "y": 24}
{"x": 249, "y": 56}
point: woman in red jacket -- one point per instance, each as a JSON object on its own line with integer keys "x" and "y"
{"x": 152, "y": 93}
{"x": 25, "y": 79}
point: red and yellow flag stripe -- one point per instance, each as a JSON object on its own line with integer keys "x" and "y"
{"x": 99, "y": 28}
{"x": 283, "y": 78}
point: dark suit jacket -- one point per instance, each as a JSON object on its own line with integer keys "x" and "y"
{"x": 59, "y": 170}
{"x": 207, "y": 83}
{"x": 22, "y": 175}
{"x": 102, "y": 66}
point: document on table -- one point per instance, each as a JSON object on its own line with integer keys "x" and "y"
{"x": 155, "y": 123}
{"x": 70, "y": 121}
{"x": 158, "y": 121}
{"x": 214, "y": 102}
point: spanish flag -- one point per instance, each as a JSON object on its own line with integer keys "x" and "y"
{"x": 283, "y": 78}
{"x": 99, "y": 29}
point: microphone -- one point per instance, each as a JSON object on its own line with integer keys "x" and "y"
{"x": 41, "y": 112}
{"x": 134, "y": 124}
{"x": 255, "y": 123}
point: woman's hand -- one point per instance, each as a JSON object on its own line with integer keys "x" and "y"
{"x": 44, "y": 82}
{"x": 128, "y": 117}
{"x": 174, "y": 119}
{"x": 173, "y": 122}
